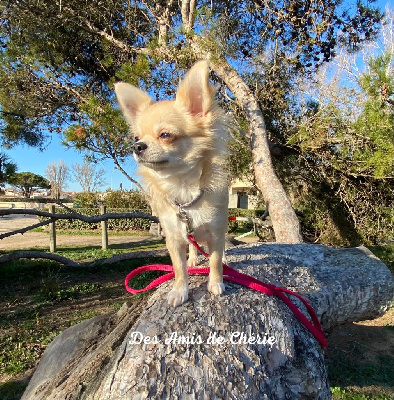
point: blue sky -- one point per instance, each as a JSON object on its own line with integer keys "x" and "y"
{"x": 31, "y": 159}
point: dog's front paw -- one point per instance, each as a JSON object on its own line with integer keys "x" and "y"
{"x": 216, "y": 288}
{"x": 176, "y": 297}
{"x": 192, "y": 262}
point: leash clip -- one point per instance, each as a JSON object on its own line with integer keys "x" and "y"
{"x": 186, "y": 219}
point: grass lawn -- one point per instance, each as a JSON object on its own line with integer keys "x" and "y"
{"x": 360, "y": 356}
{"x": 41, "y": 298}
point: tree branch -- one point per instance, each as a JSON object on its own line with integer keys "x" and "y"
{"x": 17, "y": 255}
{"x": 130, "y": 256}
{"x": 86, "y": 25}
{"x": 187, "y": 11}
{"x": 266, "y": 178}
{"x": 38, "y": 254}
{"x": 118, "y": 166}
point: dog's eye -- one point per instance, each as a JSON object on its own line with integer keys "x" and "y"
{"x": 136, "y": 138}
{"x": 165, "y": 135}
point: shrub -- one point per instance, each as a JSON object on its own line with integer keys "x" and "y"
{"x": 134, "y": 199}
{"x": 241, "y": 212}
{"x": 124, "y": 224}
{"x": 87, "y": 200}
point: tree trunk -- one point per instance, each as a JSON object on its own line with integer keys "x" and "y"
{"x": 103, "y": 358}
{"x": 284, "y": 220}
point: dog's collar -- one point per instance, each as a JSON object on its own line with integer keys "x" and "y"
{"x": 182, "y": 214}
{"x": 190, "y": 203}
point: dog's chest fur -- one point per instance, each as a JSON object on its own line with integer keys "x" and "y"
{"x": 206, "y": 213}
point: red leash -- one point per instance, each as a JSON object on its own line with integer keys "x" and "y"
{"x": 232, "y": 275}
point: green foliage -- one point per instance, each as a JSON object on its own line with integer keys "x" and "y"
{"x": 58, "y": 65}
{"x": 42, "y": 200}
{"x": 242, "y": 226}
{"x": 240, "y": 165}
{"x": 241, "y": 212}
{"x": 133, "y": 71}
{"x": 348, "y": 164}
{"x": 27, "y": 181}
{"x": 323, "y": 217}
{"x": 51, "y": 293}
{"x": 375, "y": 155}
{"x": 87, "y": 200}
{"x": 102, "y": 131}
{"x": 378, "y": 78}
{"x": 274, "y": 80}
{"x": 342, "y": 394}
{"x": 7, "y": 169}
{"x": 51, "y": 288}
{"x": 309, "y": 31}
{"x": 386, "y": 254}
{"x": 51, "y": 62}
{"x": 20, "y": 349}
{"x": 22, "y": 118}
{"x": 321, "y": 130}
{"x": 361, "y": 148}
{"x": 133, "y": 199}
{"x": 56, "y": 62}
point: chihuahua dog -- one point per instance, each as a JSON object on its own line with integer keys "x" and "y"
{"x": 181, "y": 148}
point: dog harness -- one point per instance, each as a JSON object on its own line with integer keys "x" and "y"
{"x": 182, "y": 214}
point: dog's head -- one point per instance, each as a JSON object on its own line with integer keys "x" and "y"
{"x": 174, "y": 135}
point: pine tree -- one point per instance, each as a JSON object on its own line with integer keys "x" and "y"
{"x": 55, "y": 56}
{"x": 27, "y": 182}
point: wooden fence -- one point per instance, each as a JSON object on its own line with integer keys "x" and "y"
{"x": 52, "y": 230}
{"x": 259, "y": 224}
{"x": 52, "y": 217}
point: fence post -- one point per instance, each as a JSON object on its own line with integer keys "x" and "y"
{"x": 104, "y": 229}
{"x": 52, "y": 231}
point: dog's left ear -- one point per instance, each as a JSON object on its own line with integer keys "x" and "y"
{"x": 195, "y": 92}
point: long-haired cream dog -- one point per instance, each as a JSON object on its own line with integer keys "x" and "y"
{"x": 181, "y": 149}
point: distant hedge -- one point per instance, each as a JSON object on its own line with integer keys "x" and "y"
{"x": 242, "y": 212}
{"x": 124, "y": 224}
{"x": 33, "y": 200}
{"x": 135, "y": 224}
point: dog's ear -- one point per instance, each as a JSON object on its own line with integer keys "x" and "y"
{"x": 131, "y": 100}
{"x": 195, "y": 92}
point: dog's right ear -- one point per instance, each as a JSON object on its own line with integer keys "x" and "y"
{"x": 131, "y": 100}
{"x": 195, "y": 92}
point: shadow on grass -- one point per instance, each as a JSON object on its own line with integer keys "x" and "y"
{"x": 361, "y": 357}
{"x": 13, "y": 390}
{"x": 41, "y": 298}
{"x": 140, "y": 245}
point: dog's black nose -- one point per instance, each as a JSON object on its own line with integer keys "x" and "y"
{"x": 140, "y": 147}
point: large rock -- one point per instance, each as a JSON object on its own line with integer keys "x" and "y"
{"x": 183, "y": 358}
